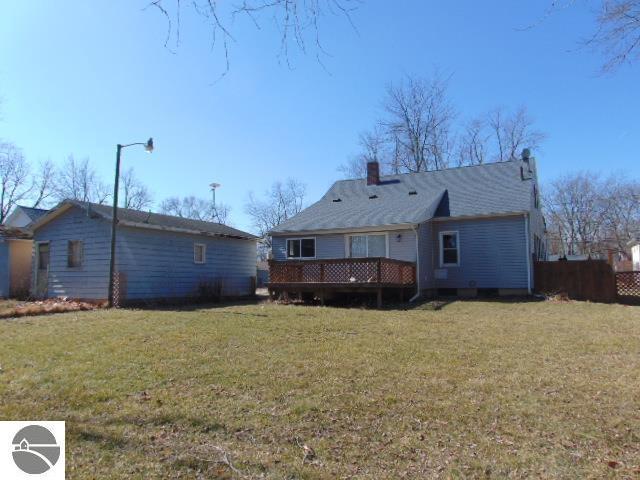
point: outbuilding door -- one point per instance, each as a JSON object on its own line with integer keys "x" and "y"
{"x": 42, "y": 269}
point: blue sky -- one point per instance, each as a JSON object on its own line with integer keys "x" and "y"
{"x": 78, "y": 77}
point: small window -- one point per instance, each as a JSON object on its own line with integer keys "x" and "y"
{"x": 74, "y": 253}
{"x": 449, "y": 249}
{"x": 199, "y": 253}
{"x": 361, "y": 246}
{"x": 301, "y": 248}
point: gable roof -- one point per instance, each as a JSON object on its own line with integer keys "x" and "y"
{"x": 32, "y": 215}
{"x": 139, "y": 219}
{"x": 481, "y": 190}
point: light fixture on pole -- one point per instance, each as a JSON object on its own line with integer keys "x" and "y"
{"x": 148, "y": 146}
{"x": 213, "y": 190}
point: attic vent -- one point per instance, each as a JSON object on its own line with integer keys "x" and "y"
{"x": 371, "y": 197}
{"x": 413, "y": 192}
{"x": 336, "y": 200}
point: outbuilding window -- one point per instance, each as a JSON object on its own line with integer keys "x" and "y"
{"x": 199, "y": 253}
{"x": 301, "y": 248}
{"x": 75, "y": 251}
{"x": 449, "y": 249}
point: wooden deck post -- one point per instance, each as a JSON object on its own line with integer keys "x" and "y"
{"x": 379, "y": 302}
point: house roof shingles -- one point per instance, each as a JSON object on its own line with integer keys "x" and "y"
{"x": 33, "y": 213}
{"x": 481, "y": 190}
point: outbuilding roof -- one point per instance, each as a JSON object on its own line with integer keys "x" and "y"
{"x": 14, "y": 233}
{"x": 141, "y": 219}
{"x": 481, "y": 190}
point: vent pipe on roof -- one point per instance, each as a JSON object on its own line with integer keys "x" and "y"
{"x": 373, "y": 173}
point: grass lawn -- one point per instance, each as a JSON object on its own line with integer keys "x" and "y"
{"x": 477, "y": 389}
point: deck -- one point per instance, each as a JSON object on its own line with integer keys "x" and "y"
{"x": 341, "y": 275}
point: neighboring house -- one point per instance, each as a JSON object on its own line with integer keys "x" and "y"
{"x": 458, "y": 230}
{"x": 15, "y": 261}
{"x": 15, "y": 251}
{"x": 23, "y": 216}
{"x": 158, "y": 257}
{"x": 635, "y": 254}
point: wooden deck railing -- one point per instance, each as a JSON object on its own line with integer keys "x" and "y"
{"x": 370, "y": 271}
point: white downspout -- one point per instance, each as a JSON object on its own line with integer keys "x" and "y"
{"x": 418, "y": 292}
{"x": 526, "y": 232}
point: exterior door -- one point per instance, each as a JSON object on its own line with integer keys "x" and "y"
{"x": 42, "y": 270}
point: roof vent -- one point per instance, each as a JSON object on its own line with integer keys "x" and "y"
{"x": 336, "y": 200}
{"x": 413, "y": 192}
{"x": 371, "y": 197}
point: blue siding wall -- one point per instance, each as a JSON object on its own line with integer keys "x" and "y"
{"x": 160, "y": 264}
{"x": 4, "y": 268}
{"x": 492, "y": 254}
{"x": 90, "y": 280}
{"x": 157, "y": 264}
{"x": 333, "y": 245}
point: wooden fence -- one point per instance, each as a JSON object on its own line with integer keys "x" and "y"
{"x": 592, "y": 280}
{"x": 580, "y": 280}
{"x": 628, "y": 287}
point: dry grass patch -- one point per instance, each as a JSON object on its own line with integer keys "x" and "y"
{"x": 476, "y": 389}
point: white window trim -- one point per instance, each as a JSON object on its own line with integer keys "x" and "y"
{"x": 347, "y": 243}
{"x": 286, "y": 246}
{"x": 204, "y": 253}
{"x": 441, "y": 236}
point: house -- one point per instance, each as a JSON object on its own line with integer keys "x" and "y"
{"x": 15, "y": 261}
{"x": 635, "y": 254}
{"x": 158, "y": 257}
{"x": 23, "y": 216}
{"x": 15, "y": 251}
{"x": 464, "y": 231}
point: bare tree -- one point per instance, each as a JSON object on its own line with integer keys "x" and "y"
{"x": 196, "y": 208}
{"x": 77, "y": 180}
{"x": 511, "y": 133}
{"x": 617, "y": 34}
{"x": 418, "y": 133}
{"x": 281, "y": 202}
{"x": 43, "y": 184}
{"x": 620, "y": 203}
{"x": 373, "y": 149}
{"x": 588, "y": 215}
{"x": 15, "y": 184}
{"x": 297, "y": 20}
{"x": 418, "y": 121}
{"x": 473, "y": 143}
{"x": 574, "y": 206}
{"x": 136, "y": 194}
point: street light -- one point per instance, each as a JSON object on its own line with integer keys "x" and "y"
{"x": 148, "y": 146}
{"x": 213, "y": 189}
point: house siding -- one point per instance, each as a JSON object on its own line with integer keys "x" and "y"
{"x": 333, "y": 245}
{"x": 90, "y": 281}
{"x": 157, "y": 264}
{"x": 4, "y": 268}
{"x": 20, "y": 267}
{"x": 492, "y": 254}
{"x": 161, "y": 264}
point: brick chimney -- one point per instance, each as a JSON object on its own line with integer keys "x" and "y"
{"x": 373, "y": 173}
